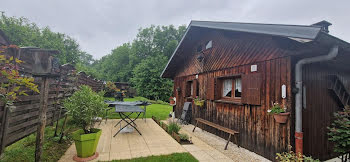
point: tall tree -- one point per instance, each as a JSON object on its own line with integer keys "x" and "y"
{"x": 115, "y": 66}
{"x": 22, "y": 32}
{"x": 142, "y": 61}
{"x": 147, "y": 81}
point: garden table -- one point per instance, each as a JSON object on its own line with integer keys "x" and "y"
{"x": 135, "y": 103}
{"x": 125, "y": 112}
{"x": 126, "y": 109}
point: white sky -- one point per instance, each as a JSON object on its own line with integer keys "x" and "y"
{"x": 101, "y": 25}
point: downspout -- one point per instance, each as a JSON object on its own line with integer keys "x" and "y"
{"x": 298, "y": 96}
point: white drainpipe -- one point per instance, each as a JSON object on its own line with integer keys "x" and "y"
{"x": 298, "y": 96}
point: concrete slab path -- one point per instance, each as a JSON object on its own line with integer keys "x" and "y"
{"x": 154, "y": 141}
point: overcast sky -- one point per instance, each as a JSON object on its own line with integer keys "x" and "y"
{"x": 101, "y": 25}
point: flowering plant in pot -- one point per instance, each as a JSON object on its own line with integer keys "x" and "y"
{"x": 279, "y": 114}
{"x": 85, "y": 106}
{"x": 198, "y": 101}
{"x": 172, "y": 100}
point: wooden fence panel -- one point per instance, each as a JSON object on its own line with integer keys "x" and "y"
{"x": 23, "y": 119}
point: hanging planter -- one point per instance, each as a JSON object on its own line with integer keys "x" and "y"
{"x": 281, "y": 117}
{"x": 279, "y": 114}
{"x": 199, "y": 102}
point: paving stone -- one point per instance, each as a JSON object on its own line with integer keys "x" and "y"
{"x": 154, "y": 141}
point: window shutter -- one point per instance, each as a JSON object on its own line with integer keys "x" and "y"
{"x": 251, "y": 88}
{"x": 218, "y": 88}
{"x": 210, "y": 89}
{"x": 184, "y": 89}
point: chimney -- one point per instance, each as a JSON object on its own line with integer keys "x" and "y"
{"x": 324, "y": 25}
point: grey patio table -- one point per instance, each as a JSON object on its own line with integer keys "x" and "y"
{"x": 135, "y": 103}
{"x": 126, "y": 109}
{"x": 123, "y": 110}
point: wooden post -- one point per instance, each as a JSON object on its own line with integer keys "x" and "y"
{"x": 44, "y": 92}
{"x": 4, "y": 127}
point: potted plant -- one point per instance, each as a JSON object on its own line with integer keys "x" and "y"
{"x": 292, "y": 156}
{"x": 172, "y": 100}
{"x": 184, "y": 139}
{"x": 279, "y": 114}
{"x": 199, "y": 102}
{"x": 85, "y": 106}
{"x": 173, "y": 127}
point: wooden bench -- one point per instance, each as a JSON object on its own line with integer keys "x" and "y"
{"x": 219, "y": 127}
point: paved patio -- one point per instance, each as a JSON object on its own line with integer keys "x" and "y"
{"x": 154, "y": 141}
{"x": 201, "y": 150}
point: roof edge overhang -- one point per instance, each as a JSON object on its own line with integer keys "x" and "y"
{"x": 177, "y": 47}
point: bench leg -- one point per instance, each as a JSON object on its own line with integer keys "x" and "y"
{"x": 228, "y": 140}
{"x": 195, "y": 126}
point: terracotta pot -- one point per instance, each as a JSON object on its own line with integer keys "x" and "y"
{"x": 281, "y": 118}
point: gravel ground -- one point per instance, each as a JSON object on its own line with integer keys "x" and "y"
{"x": 235, "y": 153}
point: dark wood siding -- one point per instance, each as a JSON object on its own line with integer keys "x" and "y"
{"x": 230, "y": 49}
{"x": 320, "y": 106}
{"x": 258, "y": 130}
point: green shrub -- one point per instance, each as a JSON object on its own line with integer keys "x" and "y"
{"x": 84, "y": 106}
{"x": 173, "y": 127}
{"x": 292, "y": 156}
{"x": 183, "y": 136}
{"x": 339, "y": 131}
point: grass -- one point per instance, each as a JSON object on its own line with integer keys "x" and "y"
{"x": 172, "y": 157}
{"x": 158, "y": 109}
{"x": 23, "y": 150}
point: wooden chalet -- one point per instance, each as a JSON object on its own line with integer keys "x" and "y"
{"x": 239, "y": 69}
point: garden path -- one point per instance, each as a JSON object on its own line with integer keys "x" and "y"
{"x": 154, "y": 141}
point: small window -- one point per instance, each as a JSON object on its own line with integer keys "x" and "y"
{"x": 197, "y": 88}
{"x": 189, "y": 89}
{"x": 209, "y": 44}
{"x": 231, "y": 88}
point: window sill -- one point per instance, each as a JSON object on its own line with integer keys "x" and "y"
{"x": 229, "y": 102}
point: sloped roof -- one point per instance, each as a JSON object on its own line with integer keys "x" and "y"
{"x": 301, "y": 32}
{"x": 296, "y": 31}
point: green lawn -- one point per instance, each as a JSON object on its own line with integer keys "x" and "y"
{"x": 159, "y": 109}
{"x": 23, "y": 150}
{"x": 187, "y": 157}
